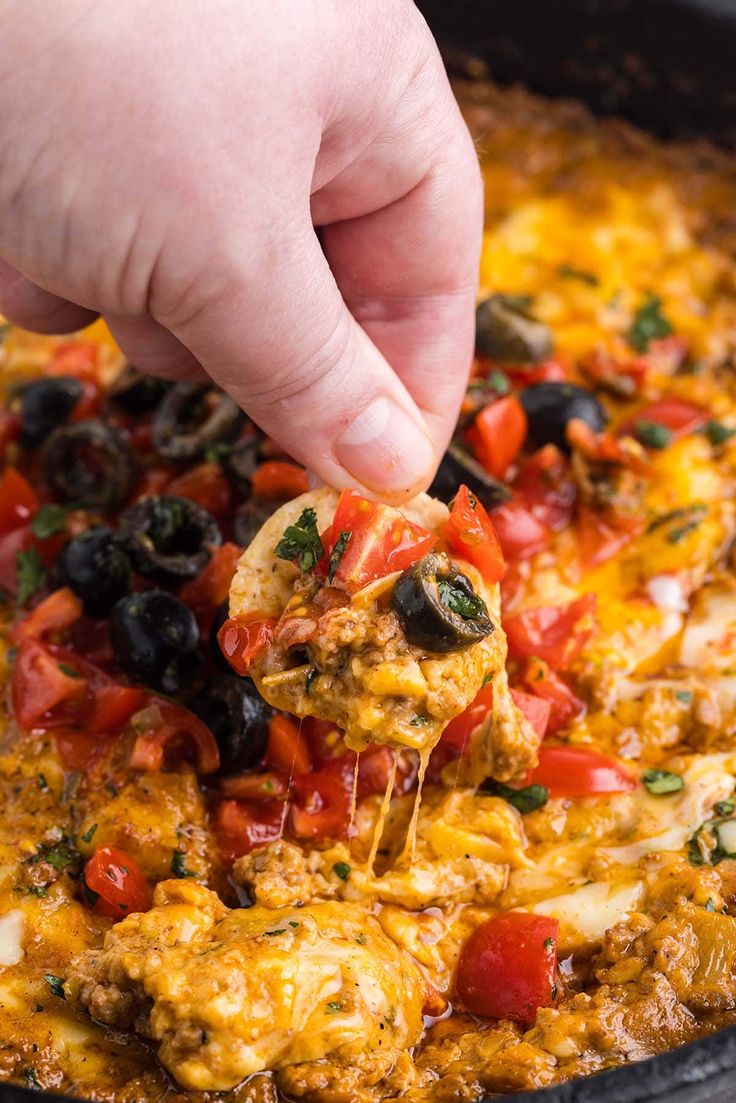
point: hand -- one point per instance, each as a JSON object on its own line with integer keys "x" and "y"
{"x": 165, "y": 165}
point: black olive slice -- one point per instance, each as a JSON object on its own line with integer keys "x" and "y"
{"x": 156, "y": 640}
{"x": 458, "y": 467}
{"x": 136, "y": 392}
{"x": 251, "y": 516}
{"x": 44, "y": 405}
{"x": 193, "y": 417}
{"x": 95, "y": 566}
{"x": 168, "y": 538}
{"x": 243, "y": 460}
{"x": 550, "y": 406}
{"x": 236, "y": 714}
{"x": 90, "y": 464}
{"x": 438, "y": 608}
{"x": 504, "y": 332}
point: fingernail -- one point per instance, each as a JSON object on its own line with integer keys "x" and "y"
{"x": 384, "y": 449}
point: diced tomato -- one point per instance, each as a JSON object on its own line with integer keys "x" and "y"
{"x": 470, "y": 535}
{"x": 506, "y": 969}
{"x": 321, "y": 806}
{"x": 210, "y": 588}
{"x": 79, "y": 359}
{"x": 579, "y": 772}
{"x": 242, "y": 826}
{"x": 18, "y": 500}
{"x": 57, "y": 612}
{"x": 381, "y": 540}
{"x": 519, "y": 532}
{"x": 547, "y": 488}
{"x": 601, "y": 536}
{"x": 624, "y": 377}
{"x": 554, "y": 633}
{"x": 500, "y": 432}
{"x": 207, "y": 485}
{"x": 167, "y": 727}
{"x": 287, "y": 746}
{"x": 152, "y": 482}
{"x": 605, "y": 448}
{"x": 79, "y": 749}
{"x": 91, "y": 640}
{"x": 457, "y": 733}
{"x": 534, "y": 708}
{"x": 264, "y": 785}
{"x": 676, "y": 414}
{"x": 279, "y": 479}
{"x": 10, "y": 544}
{"x": 565, "y": 706}
{"x": 117, "y": 882}
{"x": 375, "y": 765}
{"x": 113, "y": 707}
{"x": 242, "y": 642}
{"x": 39, "y": 685}
{"x": 549, "y": 371}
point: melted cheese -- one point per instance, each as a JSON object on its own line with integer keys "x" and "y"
{"x": 12, "y": 926}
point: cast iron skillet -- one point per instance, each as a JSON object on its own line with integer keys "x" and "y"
{"x": 667, "y": 65}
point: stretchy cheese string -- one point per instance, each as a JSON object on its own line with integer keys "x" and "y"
{"x": 285, "y": 809}
{"x": 354, "y": 797}
{"x": 410, "y": 842}
{"x": 385, "y": 803}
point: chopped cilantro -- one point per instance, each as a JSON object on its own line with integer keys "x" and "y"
{"x": 69, "y": 670}
{"x": 709, "y": 905}
{"x": 89, "y": 834}
{"x": 31, "y": 574}
{"x": 29, "y": 1075}
{"x": 570, "y": 272}
{"x": 278, "y": 930}
{"x": 338, "y": 552}
{"x": 301, "y": 542}
{"x": 652, "y": 434}
{"x": 466, "y": 605}
{"x": 293, "y": 923}
{"x": 49, "y": 521}
{"x": 725, "y": 807}
{"x": 342, "y": 870}
{"x": 56, "y": 984}
{"x": 62, "y": 855}
{"x": 333, "y": 1007}
{"x": 36, "y": 890}
{"x": 487, "y": 679}
{"x": 553, "y": 993}
{"x": 42, "y": 782}
{"x": 418, "y": 721}
{"x": 649, "y": 324}
{"x": 718, "y": 433}
{"x": 662, "y": 782}
{"x": 499, "y": 381}
{"x": 179, "y": 866}
{"x": 216, "y": 453}
{"x": 549, "y": 943}
{"x": 684, "y": 695}
{"x": 674, "y": 536}
{"x": 528, "y": 799}
{"x": 311, "y": 675}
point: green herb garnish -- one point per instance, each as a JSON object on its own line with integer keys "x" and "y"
{"x": 499, "y": 381}
{"x": 342, "y": 870}
{"x": 662, "y": 782}
{"x": 31, "y": 574}
{"x": 179, "y": 866}
{"x": 62, "y": 855}
{"x": 56, "y": 984}
{"x": 652, "y": 434}
{"x": 649, "y": 324}
{"x": 89, "y": 834}
{"x": 725, "y": 807}
{"x": 528, "y": 799}
{"x": 684, "y": 695}
{"x": 69, "y": 670}
{"x": 569, "y": 272}
{"x": 301, "y": 542}
{"x": 42, "y": 782}
{"x": 311, "y": 675}
{"x": 278, "y": 930}
{"x": 466, "y": 605}
{"x": 718, "y": 433}
{"x": 338, "y": 552}
{"x": 333, "y": 1007}
{"x": 49, "y": 521}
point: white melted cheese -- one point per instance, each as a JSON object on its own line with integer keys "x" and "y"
{"x": 709, "y": 639}
{"x": 586, "y": 913}
{"x": 12, "y": 925}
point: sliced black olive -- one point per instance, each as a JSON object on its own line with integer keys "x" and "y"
{"x": 459, "y": 467}
{"x": 244, "y": 459}
{"x": 251, "y": 516}
{"x": 156, "y": 640}
{"x": 168, "y": 538}
{"x": 44, "y": 405}
{"x": 236, "y": 714}
{"x": 90, "y": 464}
{"x": 438, "y": 608}
{"x": 94, "y": 565}
{"x": 136, "y": 392}
{"x": 503, "y": 331}
{"x": 549, "y": 407}
{"x": 193, "y": 417}
{"x": 222, "y": 614}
